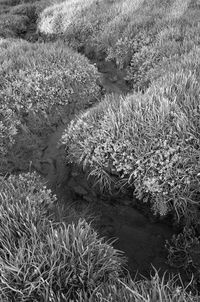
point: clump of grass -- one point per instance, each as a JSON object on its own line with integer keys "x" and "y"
{"x": 183, "y": 252}
{"x": 160, "y": 289}
{"x": 42, "y": 84}
{"x": 135, "y": 35}
{"x": 97, "y": 26}
{"x": 148, "y": 142}
{"x": 41, "y": 260}
{"x": 170, "y": 39}
{"x": 8, "y": 131}
{"x": 69, "y": 261}
{"x": 31, "y": 10}
{"x": 24, "y": 202}
{"x": 56, "y": 18}
{"x": 19, "y": 18}
{"x": 13, "y": 25}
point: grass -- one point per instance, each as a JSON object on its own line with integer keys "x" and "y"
{"x": 41, "y": 259}
{"x": 128, "y": 34}
{"x": 99, "y": 27}
{"x": 159, "y": 289}
{"x": 13, "y": 25}
{"x": 57, "y": 18}
{"x": 148, "y": 142}
{"x": 69, "y": 261}
{"x": 178, "y": 9}
{"x": 60, "y": 84}
{"x": 19, "y": 18}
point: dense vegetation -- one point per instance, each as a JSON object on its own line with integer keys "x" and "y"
{"x": 18, "y": 18}
{"x": 146, "y": 141}
{"x": 41, "y": 260}
{"x": 60, "y": 83}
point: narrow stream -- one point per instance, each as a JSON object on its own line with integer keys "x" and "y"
{"x": 142, "y": 241}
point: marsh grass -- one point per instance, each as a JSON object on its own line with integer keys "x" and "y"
{"x": 159, "y": 289}
{"x": 146, "y": 141}
{"x": 60, "y": 84}
{"x": 42, "y": 260}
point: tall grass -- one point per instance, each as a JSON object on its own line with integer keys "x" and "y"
{"x": 41, "y": 260}
{"x": 159, "y": 289}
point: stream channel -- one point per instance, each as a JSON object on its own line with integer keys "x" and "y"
{"x": 141, "y": 239}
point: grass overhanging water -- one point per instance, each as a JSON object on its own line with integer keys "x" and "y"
{"x": 146, "y": 141}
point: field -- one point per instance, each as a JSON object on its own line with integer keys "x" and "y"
{"x": 99, "y": 150}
